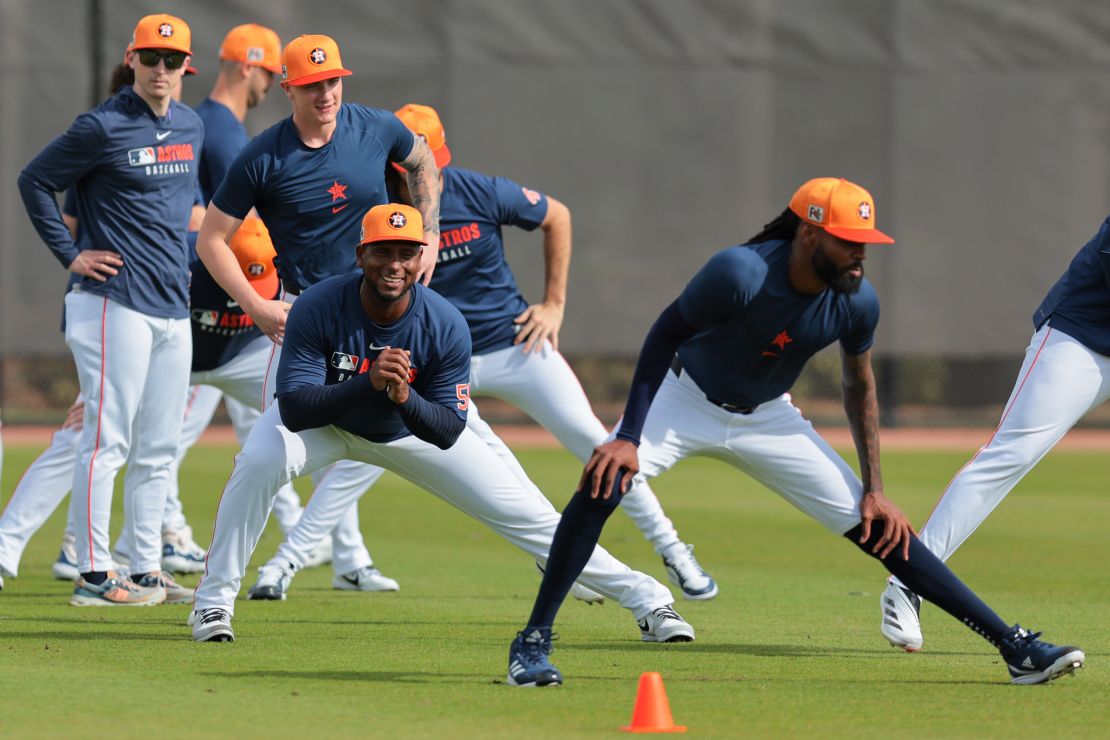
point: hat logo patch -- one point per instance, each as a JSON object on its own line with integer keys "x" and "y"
{"x": 165, "y": 30}
{"x": 317, "y": 56}
{"x": 397, "y": 220}
{"x": 255, "y": 54}
{"x": 865, "y": 210}
{"x": 816, "y": 213}
{"x": 362, "y": 234}
{"x": 255, "y": 269}
{"x": 284, "y": 73}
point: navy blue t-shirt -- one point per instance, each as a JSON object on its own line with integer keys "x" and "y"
{"x": 135, "y": 178}
{"x": 313, "y": 200}
{"x": 330, "y": 339}
{"x": 224, "y": 137}
{"x": 471, "y": 271}
{"x": 755, "y": 332}
{"x": 1079, "y": 303}
{"x": 220, "y": 328}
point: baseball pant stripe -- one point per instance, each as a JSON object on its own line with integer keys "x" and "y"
{"x": 99, "y": 413}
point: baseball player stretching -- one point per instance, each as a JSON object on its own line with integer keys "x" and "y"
{"x": 1066, "y": 373}
{"x": 473, "y": 274}
{"x": 310, "y": 176}
{"x": 133, "y": 159}
{"x": 712, "y": 379}
{"x": 376, "y": 368}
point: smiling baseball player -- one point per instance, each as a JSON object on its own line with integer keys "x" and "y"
{"x": 713, "y": 379}
{"x": 375, "y": 368}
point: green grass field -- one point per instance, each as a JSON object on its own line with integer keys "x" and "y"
{"x": 790, "y": 647}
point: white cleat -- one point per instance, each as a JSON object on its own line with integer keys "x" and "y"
{"x": 901, "y": 612}
{"x": 368, "y": 578}
{"x": 685, "y": 572}
{"x": 665, "y": 625}
{"x": 211, "y": 625}
{"x": 320, "y": 555}
{"x": 180, "y": 554}
{"x": 272, "y": 584}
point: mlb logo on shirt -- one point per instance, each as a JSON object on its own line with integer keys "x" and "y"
{"x": 340, "y": 361}
{"x": 141, "y": 157}
{"x": 206, "y": 318}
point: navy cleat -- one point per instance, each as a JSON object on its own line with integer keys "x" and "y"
{"x": 528, "y": 663}
{"x": 1032, "y": 661}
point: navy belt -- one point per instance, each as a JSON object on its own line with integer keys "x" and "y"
{"x": 676, "y": 368}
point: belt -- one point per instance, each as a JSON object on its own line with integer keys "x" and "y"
{"x": 676, "y": 368}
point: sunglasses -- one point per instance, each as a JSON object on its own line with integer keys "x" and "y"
{"x": 150, "y": 57}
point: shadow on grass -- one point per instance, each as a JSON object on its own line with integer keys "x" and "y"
{"x": 94, "y": 636}
{"x": 763, "y": 651}
{"x": 359, "y": 676}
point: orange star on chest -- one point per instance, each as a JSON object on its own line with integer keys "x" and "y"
{"x": 338, "y": 192}
{"x": 781, "y": 340}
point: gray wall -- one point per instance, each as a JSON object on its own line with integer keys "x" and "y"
{"x": 673, "y": 128}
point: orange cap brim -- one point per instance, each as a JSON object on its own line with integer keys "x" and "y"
{"x": 317, "y": 76}
{"x": 863, "y": 236}
{"x": 442, "y": 156}
{"x": 393, "y": 238}
{"x": 266, "y": 286}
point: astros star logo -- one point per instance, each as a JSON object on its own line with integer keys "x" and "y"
{"x": 865, "y": 210}
{"x": 165, "y": 30}
{"x": 317, "y": 56}
{"x": 338, "y": 192}
{"x": 397, "y": 220}
{"x": 781, "y": 340}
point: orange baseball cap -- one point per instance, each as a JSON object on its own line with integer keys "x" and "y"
{"x": 841, "y": 208}
{"x": 392, "y": 222}
{"x": 251, "y": 43}
{"x": 162, "y": 31}
{"x": 424, "y": 121}
{"x": 308, "y": 59}
{"x": 255, "y": 252}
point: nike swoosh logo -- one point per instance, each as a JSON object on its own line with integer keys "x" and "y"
{"x": 352, "y": 581}
{"x": 232, "y": 304}
{"x": 340, "y": 208}
{"x": 162, "y": 134}
{"x": 375, "y": 347}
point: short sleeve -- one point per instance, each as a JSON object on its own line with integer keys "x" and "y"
{"x": 241, "y": 188}
{"x": 863, "y": 318}
{"x": 397, "y": 138}
{"x": 722, "y": 288}
{"x": 517, "y": 205}
{"x": 303, "y": 350}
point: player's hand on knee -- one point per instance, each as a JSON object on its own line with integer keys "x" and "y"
{"x": 539, "y": 323}
{"x": 98, "y": 264}
{"x": 270, "y": 318}
{"x": 606, "y": 463}
{"x": 897, "y": 530}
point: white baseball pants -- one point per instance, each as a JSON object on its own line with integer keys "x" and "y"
{"x": 469, "y": 476}
{"x": 134, "y": 373}
{"x": 774, "y": 444}
{"x": 1059, "y": 382}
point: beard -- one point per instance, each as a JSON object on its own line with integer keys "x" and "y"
{"x": 372, "y": 288}
{"x": 838, "y": 279}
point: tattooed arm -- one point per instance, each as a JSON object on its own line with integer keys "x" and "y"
{"x": 861, "y": 404}
{"x": 423, "y": 183}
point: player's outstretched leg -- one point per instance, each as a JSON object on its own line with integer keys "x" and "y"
{"x": 1028, "y": 659}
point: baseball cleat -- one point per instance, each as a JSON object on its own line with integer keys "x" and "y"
{"x": 684, "y": 571}
{"x": 211, "y": 625}
{"x": 115, "y": 591}
{"x": 587, "y": 596}
{"x": 273, "y": 582}
{"x": 665, "y": 625}
{"x": 1032, "y": 661}
{"x": 65, "y": 567}
{"x": 528, "y": 663}
{"x": 175, "y": 593}
{"x": 320, "y": 555}
{"x": 368, "y": 578}
{"x": 1, "y": 583}
{"x": 901, "y": 612}
{"x": 180, "y": 554}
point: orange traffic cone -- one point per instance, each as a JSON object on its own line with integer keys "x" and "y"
{"x": 652, "y": 712}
